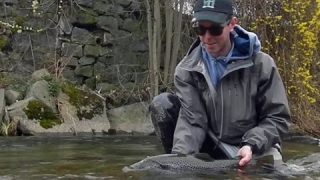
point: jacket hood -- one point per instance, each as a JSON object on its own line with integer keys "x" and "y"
{"x": 245, "y": 43}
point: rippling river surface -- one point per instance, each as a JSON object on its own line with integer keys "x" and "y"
{"x": 103, "y": 157}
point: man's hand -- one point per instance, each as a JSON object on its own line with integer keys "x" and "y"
{"x": 245, "y": 154}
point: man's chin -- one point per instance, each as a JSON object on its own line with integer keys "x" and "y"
{"x": 211, "y": 47}
{"x": 211, "y": 50}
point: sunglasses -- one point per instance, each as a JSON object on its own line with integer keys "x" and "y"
{"x": 214, "y": 30}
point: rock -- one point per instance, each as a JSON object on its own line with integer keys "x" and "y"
{"x": 135, "y": 6}
{"x": 130, "y": 25}
{"x": 72, "y": 62}
{"x": 86, "y": 71}
{"x": 68, "y": 74}
{"x": 105, "y": 52}
{"x": 131, "y": 118}
{"x": 84, "y": 19}
{"x": 69, "y": 114}
{"x": 106, "y": 73}
{"x": 10, "y": 2}
{"x": 71, "y": 125}
{"x": 16, "y": 112}
{"x": 107, "y": 38}
{"x": 41, "y": 40}
{"x": 71, "y": 50}
{"x": 108, "y": 23}
{"x": 141, "y": 46}
{"x": 124, "y": 3}
{"x": 12, "y": 96}
{"x": 2, "y": 104}
{"x": 92, "y": 51}
{"x": 100, "y": 72}
{"x": 40, "y": 74}
{"x": 86, "y": 3}
{"x": 105, "y": 87}
{"x": 82, "y": 36}
{"x": 40, "y": 90}
{"x": 104, "y": 8}
{"x": 86, "y": 61}
{"x": 91, "y": 82}
{"x": 32, "y": 127}
{"x": 10, "y": 10}
{"x": 105, "y": 60}
{"x": 65, "y": 27}
{"x": 21, "y": 42}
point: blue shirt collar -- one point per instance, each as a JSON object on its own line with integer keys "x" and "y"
{"x": 207, "y": 55}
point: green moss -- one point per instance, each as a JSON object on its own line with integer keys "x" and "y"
{"x": 4, "y": 81}
{"x": 3, "y": 42}
{"x": 77, "y": 96}
{"x": 39, "y": 111}
{"x": 49, "y": 123}
{"x": 87, "y": 104}
{"x": 20, "y": 20}
{"x": 88, "y": 19}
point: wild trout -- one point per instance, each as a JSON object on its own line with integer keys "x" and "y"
{"x": 174, "y": 163}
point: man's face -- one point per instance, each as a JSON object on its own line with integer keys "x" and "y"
{"x": 216, "y": 44}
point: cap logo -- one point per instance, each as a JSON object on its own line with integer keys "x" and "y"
{"x": 208, "y": 3}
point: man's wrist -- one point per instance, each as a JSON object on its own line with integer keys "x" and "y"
{"x": 249, "y": 145}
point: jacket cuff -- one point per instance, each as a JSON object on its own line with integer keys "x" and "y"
{"x": 253, "y": 146}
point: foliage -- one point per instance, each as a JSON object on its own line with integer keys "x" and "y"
{"x": 165, "y": 39}
{"x": 3, "y": 42}
{"x": 54, "y": 85}
{"x": 7, "y": 128}
{"x": 290, "y": 33}
{"x": 18, "y": 24}
{"x": 4, "y": 80}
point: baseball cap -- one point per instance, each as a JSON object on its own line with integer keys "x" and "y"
{"x": 216, "y": 11}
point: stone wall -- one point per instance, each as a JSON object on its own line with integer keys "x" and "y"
{"x": 94, "y": 42}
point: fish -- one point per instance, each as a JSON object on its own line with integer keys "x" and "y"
{"x": 178, "y": 163}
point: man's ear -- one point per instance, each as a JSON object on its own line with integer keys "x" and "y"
{"x": 233, "y": 22}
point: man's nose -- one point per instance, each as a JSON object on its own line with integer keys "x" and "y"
{"x": 207, "y": 34}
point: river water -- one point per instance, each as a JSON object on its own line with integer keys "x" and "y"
{"x": 103, "y": 157}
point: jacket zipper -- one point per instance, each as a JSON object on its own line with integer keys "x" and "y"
{"x": 222, "y": 95}
{"x": 222, "y": 118}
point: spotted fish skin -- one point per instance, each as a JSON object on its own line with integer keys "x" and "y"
{"x": 174, "y": 163}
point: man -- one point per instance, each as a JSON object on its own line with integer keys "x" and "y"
{"x": 227, "y": 92}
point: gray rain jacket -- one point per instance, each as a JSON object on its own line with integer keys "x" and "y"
{"x": 248, "y": 106}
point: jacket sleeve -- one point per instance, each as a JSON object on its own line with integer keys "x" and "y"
{"x": 192, "y": 121}
{"x": 272, "y": 109}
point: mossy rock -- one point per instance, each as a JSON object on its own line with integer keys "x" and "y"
{"x": 39, "y": 111}
{"x": 87, "y": 104}
{"x": 8, "y": 81}
{"x": 131, "y": 93}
